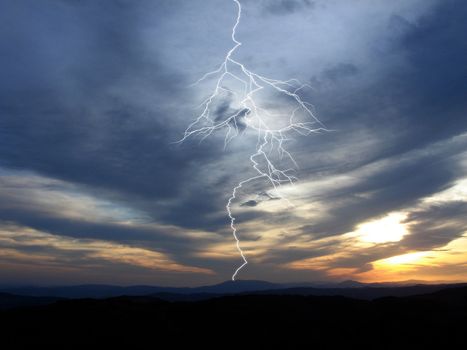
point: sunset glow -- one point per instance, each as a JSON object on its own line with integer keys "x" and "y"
{"x": 387, "y": 229}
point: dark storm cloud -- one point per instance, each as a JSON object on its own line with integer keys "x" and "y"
{"x": 340, "y": 71}
{"x": 437, "y": 78}
{"x": 147, "y": 237}
{"x": 67, "y": 257}
{"x": 282, "y": 7}
{"x": 393, "y": 186}
{"x": 224, "y": 111}
{"x": 135, "y": 156}
{"x": 85, "y": 99}
{"x": 250, "y": 203}
{"x": 261, "y": 197}
{"x": 93, "y": 129}
{"x": 411, "y": 105}
{"x": 199, "y": 209}
{"x": 411, "y": 108}
{"x": 72, "y": 77}
{"x": 436, "y": 226}
{"x": 286, "y": 244}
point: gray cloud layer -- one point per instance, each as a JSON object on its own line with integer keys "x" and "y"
{"x": 89, "y": 96}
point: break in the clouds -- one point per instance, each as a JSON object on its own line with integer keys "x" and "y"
{"x": 93, "y": 96}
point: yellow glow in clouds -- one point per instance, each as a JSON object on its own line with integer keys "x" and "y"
{"x": 387, "y": 229}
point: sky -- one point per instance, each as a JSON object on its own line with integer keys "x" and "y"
{"x": 95, "y": 189}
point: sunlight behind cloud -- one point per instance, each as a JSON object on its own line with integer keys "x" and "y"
{"x": 387, "y": 229}
{"x": 405, "y": 258}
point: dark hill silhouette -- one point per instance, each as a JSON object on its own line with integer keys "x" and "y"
{"x": 367, "y": 293}
{"x": 9, "y": 301}
{"x": 455, "y": 296}
{"x": 107, "y": 291}
{"x": 288, "y": 321}
{"x": 352, "y": 289}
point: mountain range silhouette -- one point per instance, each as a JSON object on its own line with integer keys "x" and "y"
{"x": 231, "y": 314}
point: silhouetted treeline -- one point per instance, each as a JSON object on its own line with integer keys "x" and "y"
{"x": 437, "y": 320}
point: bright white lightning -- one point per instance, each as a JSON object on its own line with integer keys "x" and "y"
{"x": 252, "y": 116}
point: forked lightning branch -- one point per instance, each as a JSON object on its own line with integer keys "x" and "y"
{"x": 273, "y": 125}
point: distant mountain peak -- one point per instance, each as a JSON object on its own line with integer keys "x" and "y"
{"x": 351, "y": 284}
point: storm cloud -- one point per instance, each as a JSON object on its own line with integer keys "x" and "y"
{"x": 95, "y": 95}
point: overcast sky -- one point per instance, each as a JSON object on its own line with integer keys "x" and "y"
{"x": 94, "y": 189}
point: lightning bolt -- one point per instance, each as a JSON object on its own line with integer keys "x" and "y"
{"x": 253, "y": 116}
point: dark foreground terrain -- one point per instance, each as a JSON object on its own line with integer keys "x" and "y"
{"x": 436, "y": 320}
